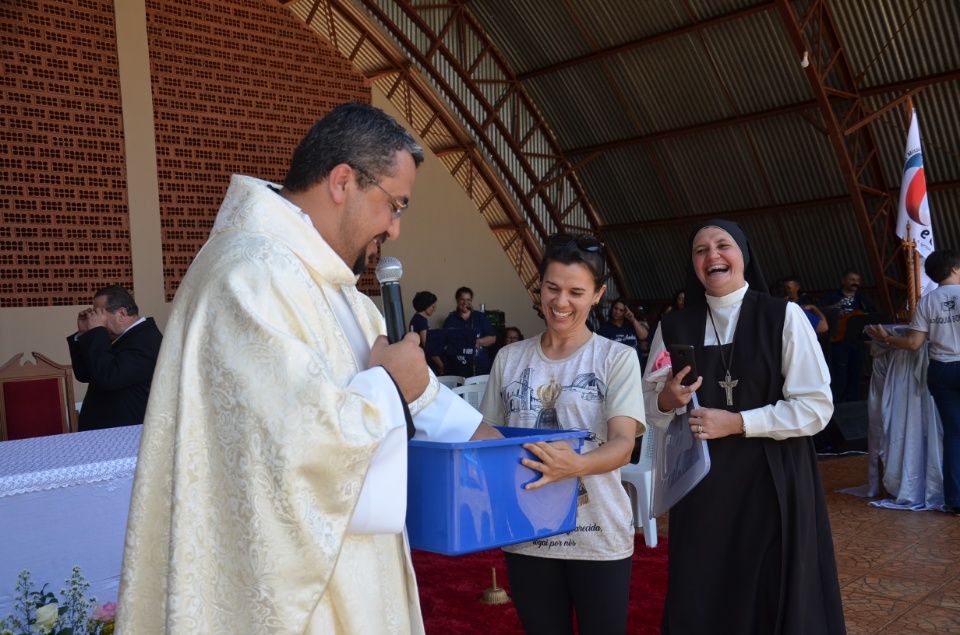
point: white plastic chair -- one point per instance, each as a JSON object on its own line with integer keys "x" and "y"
{"x": 472, "y": 393}
{"x": 451, "y": 381}
{"x": 639, "y": 479}
{"x": 476, "y": 379}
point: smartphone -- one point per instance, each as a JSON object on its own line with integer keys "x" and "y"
{"x": 681, "y": 356}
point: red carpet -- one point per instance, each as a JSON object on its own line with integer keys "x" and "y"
{"x": 451, "y": 586}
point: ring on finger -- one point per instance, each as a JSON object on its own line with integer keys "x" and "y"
{"x": 700, "y": 428}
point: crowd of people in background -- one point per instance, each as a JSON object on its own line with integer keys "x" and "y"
{"x": 627, "y": 322}
{"x": 828, "y": 318}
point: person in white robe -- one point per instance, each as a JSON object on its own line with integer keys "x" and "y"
{"x": 270, "y": 487}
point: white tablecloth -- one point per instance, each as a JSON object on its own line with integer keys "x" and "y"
{"x": 64, "y": 502}
{"x": 904, "y": 434}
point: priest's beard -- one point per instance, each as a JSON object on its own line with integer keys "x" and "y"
{"x": 368, "y": 255}
{"x": 361, "y": 264}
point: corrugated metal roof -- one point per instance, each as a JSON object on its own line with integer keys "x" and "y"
{"x": 883, "y": 39}
{"x": 686, "y": 108}
{"x": 682, "y": 91}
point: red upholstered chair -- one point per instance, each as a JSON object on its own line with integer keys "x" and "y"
{"x": 36, "y": 399}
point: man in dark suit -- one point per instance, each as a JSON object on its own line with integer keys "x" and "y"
{"x": 115, "y": 351}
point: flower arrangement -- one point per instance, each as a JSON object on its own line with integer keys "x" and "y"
{"x": 41, "y": 612}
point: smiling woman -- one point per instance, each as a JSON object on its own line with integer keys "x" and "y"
{"x": 767, "y": 567}
{"x": 717, "y": 261}
{"x": 569, "y": 378}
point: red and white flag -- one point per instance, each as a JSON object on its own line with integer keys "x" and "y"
{"x": 913, "y": 199}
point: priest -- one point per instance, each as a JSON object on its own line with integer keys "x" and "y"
{"x": 270, "y": 487}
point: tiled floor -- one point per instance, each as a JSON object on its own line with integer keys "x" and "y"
{"x": 899, "y": 570}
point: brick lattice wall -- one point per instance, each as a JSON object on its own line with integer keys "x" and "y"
{"x": 63, "y": 192}
{"x": 236, "y": 84}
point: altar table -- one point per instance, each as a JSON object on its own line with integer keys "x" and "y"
{"x": 64, "y": 502}
{"x": 904, "y": 434}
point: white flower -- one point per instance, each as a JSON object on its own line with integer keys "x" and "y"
{"x": 46, "y": 618}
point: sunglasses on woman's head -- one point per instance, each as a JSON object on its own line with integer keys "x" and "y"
{"x": 585, "y": 242}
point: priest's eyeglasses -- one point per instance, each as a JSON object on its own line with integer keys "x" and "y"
{"x": 585, "y": 242}
{"x": 399, "y": 207}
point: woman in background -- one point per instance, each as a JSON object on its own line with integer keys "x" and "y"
{"x": 509, "y": 335}
{"x": 425, "y": 303}
{"x": 623, "y": 326}
{"x": 679, "y": 301}
{"x": 569, "y": 378}
{"x": 512, "y": 334}
{"x": 750, "y": 545}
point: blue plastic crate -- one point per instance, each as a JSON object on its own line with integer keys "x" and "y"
{"x": 466, "y": 497}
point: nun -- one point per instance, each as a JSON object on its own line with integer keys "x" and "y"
{"x": 750, "y": 545}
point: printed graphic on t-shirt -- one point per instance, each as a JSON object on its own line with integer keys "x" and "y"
{"x": 629, "y": 340}
{"x": 534, "y": 400}
{"x": 846, "y": 304}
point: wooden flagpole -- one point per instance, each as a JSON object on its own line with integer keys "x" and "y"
{"x": 910, "y": 254}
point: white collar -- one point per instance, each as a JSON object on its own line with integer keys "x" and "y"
{"x": 142, "y": 319}
{"x": 716, "y": 302}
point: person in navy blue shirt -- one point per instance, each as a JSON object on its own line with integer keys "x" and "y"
{"x": 816, "y": 317}
{"x": 624, "y": 327}
{"x": 846, "y": 356}
{"x": 472, "y": 358}
{"x": 425, "y": 303}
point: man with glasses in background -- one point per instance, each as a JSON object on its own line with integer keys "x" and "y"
{"x": 270, "y": 491}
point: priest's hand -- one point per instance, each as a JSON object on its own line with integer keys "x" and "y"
{"x": 674, "y": 395}
{"x": 486, "y": 432}
{"x": 405, "y": 363}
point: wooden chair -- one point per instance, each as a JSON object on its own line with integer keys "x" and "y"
{"x": 36, "y": 398}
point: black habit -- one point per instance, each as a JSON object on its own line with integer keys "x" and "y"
{"x": 750, "y": 546}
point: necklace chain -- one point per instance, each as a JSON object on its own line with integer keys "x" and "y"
{"x": 733, "y": 342}
{"x": 728, "y": 383}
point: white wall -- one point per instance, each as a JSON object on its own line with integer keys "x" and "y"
{"x": 445, "y": 244}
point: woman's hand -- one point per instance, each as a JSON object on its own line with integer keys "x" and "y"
{"x": 674, "y": 395}
{"x": 713, "y": 423}
{"x": 877, "y": 332}
{"x": 556, "y": 460}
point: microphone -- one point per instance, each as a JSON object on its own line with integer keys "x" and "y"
{"x": 389, "y": 271}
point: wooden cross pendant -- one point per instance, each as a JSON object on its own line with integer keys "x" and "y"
{"x": 728, "y": 385}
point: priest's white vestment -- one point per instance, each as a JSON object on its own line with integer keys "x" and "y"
{"x": 259, "y": 432}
